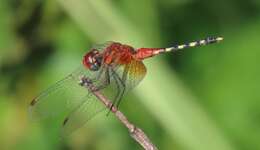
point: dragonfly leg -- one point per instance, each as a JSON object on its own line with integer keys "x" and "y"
{"x": 123, "y": 81}
{"x": 121, "y": 89}
{"x": 100, "y": 73}
{"x": 101, "y": 81}
{"x": 98, "y": 76}
{"x": 104, "y": 83}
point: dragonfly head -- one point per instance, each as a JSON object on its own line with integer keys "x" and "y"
{"x": 92, "y": 60}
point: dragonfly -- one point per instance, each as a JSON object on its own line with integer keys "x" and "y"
{"x": 113, "y": 68}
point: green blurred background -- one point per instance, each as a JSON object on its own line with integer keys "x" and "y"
{"x": 203, "y": 98}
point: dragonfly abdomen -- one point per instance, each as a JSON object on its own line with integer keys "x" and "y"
{"x": 143, "y": 53}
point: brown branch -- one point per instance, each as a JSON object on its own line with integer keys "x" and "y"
{"x": 136, "y": 133}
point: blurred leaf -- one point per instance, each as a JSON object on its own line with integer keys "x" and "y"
{"x": 11, "y": 49}
{"x": 233, "y": 85}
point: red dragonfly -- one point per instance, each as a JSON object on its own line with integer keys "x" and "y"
{"x": 114, "y": 69}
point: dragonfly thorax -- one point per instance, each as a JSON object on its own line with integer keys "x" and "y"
{"x": 92, "y": 60}
{"x": 117, "y": 53}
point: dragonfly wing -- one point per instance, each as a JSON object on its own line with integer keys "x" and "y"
{"x": 127, "y": 77}
{"x": 88, "y": 109}
{"x": 69, "y": 103}
{"x": 73, "y": 105}
{"x": 79, "y": 116}
{"x": 113, "y": 84}
{"x": 132, "y": 74}
{"x": 61, "y": 98}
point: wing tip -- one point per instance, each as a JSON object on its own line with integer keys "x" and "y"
{"x": 65, "y": 121}
{"x": 33, "y": 102}
{"x": 31, "y": 111}
{"x": 64, "y": 130}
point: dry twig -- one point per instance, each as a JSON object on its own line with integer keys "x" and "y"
{"x": 136, "y": 133}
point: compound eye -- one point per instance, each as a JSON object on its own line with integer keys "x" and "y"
{"x": 92, "y": 60}
{"x": 95, "y": 63}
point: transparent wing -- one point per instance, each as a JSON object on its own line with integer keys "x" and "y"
{"x": 70, "y": 104}
{"x": 78, "y": 117}
{"x": 127, "y": 77}
{"x": 73, "y": 105}
{"x": 61, "y": 98}
{"x": 88, "y": 109}
{"x": 132, "y": 74}
{"x": 135, "y": 75}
